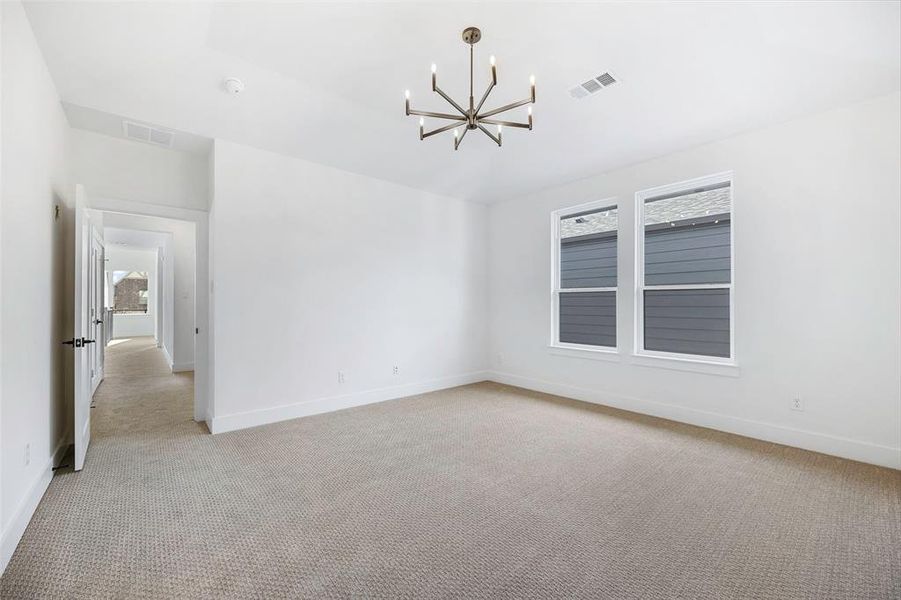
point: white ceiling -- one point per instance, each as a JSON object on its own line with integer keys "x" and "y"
{"x": 133, "y": 239}
{"x": 137, "y": 231}
{"x": 325, "y": 81}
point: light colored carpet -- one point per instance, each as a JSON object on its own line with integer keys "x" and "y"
{"x": 483, "y": 491}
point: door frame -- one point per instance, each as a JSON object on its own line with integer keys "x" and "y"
{"x": 97, "y": 305}
{"x": 204, "y": 398}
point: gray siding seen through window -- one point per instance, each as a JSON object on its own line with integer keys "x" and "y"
{"x": 688, "y": 253}
{"x": 687, "y": 321}
{"x": 588, "y": 264}
{"x": 588, "y": 261}
{"x": 688, "y": 271}
{"x": 588, "y": 318}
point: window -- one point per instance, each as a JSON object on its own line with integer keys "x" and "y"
{"x": 584, "y": 280}
{"x": 130, "y": 291}
{"x": 684, "y": 296}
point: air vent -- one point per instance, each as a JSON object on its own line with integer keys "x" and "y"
{"x": 592, "y": 86}
{"x": 148, "y": 134}
{"x": 605, "y": 79}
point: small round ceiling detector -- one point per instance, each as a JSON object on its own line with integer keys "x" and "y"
{"x": 233, "y": 85}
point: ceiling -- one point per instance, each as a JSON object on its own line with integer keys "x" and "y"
{"x": 325, "y": 81}
{"x": 137, "y": 231}
{"x": 133, "y": 239}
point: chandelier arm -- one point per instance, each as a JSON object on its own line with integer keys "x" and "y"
{"x": 494, "y": 138}
{"x": 436, "y": 115}
{"x": 505, "y": 123}
{"x": 450, "y": 101}
{"x": 441, "y": 130}
{"x": 459, "y": 140}
{"x": 505, "y": 108}
{"x": 485, "y": 97}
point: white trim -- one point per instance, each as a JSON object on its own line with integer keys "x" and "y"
{"x": 685, "y": 362}
{"x": 22, "y": 515}
{"x": 654, "y": 358}
{"x": 182, "y": 367}
{"x": 96, "y": 384}
{"x": 876, "y": 454}
{"x": 585, "y": 351}
{"x": 264, "y": 416}
{"x": 168, "y": 358}
{"x": 556, "y": 290}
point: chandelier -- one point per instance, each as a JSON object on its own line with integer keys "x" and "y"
{"x": 473, "y": 117}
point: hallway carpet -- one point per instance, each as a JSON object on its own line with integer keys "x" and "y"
{"x": 483, "y": 491}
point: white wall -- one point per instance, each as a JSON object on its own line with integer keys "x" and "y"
{"x": 34, "y": 180}
{"x": 120, "y": 168}
{"x": 131, "y": 259}
{"x": 317, "y": 270}
{"x": 817, "y": 290}
{"x": 179, "y": 284}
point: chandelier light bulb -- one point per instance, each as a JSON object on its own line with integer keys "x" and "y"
{"x": 530, "y": 111}
{"x": 456, "y": 133}
{"x": 491, "y": 60}
{"x": 531, "y": 80}
{"x": 407, "y": 94}
{"x": 499, "y": 127}
{"x": 421, "y": 121}
{"x": 434, "y": 68}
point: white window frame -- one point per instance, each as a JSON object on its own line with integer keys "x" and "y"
{"x": 640, "y": 286}
{"x": 567, "y": 348}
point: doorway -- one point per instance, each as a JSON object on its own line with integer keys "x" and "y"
{"x": 144, "y": 279}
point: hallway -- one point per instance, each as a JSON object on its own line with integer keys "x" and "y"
{"x": 139, "y": 395}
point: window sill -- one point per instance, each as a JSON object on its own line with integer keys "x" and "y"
{"x": 693, "y": 365}
{"x": 587, "y": 352}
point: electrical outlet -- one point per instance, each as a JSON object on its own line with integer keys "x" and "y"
{"x": 396, "y": 370}
{"x": 27, "y": 454}
{"x": 797, "y": 403}
{"x": 340, "y": 376}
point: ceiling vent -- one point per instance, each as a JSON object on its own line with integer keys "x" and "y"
{"x": 592, "y": 86}
{"x": 148, "y": 134}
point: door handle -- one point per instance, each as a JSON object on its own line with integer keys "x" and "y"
{"x": 70, "y": 342}
{"x": 85, "y": 342}
{"x": 98, "y": 321}
{"x": 76, "y": 342}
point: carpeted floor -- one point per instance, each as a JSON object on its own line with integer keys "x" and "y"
{"x": 483, "y": 491}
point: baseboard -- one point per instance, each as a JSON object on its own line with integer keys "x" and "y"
{"x": 168, "y": 357}
{"x": 884, "y": 456}
{"x": 22, "y": 516}
{"x": 181, "y": 367}
{"x": 264, "y": 416}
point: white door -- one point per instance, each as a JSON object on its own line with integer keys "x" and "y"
{"x": 82, "y": 330}
{"x": 97, "y": 281}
